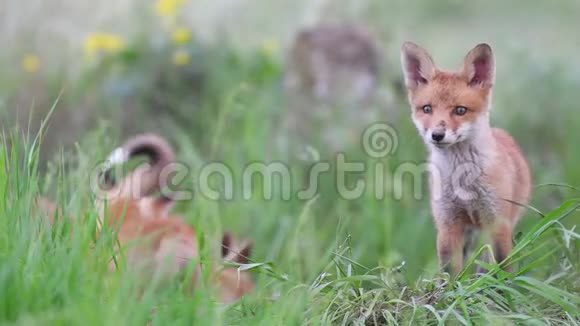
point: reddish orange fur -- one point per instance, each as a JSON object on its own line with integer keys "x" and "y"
{"x": 468, "y": 142}
{"x": 156, "y": 243}
{"x": 444, "y": 93}
{"x": 165, "y": 243}
{"x": 231, "y": 282}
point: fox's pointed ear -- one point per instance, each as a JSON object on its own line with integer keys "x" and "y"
{"x": 227, "y": 242}
{"x": 417, "y": 64}
{"x": 479, "y": 66}
{"x": 243, "y": 256}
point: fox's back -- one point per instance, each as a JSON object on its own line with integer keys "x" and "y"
{"x": 511, "y": 165}
{"x": 159, "y": 243}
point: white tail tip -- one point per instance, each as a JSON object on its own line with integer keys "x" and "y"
{"x": 119, "y": 155}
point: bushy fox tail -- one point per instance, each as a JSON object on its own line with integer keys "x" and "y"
{"x": 146, "y": 179}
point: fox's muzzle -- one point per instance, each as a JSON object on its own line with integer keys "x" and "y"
{"x": 438, "y": 134}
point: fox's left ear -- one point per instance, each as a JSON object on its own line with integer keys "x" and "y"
{"x": 479, "y": 66}
{"x": 227, "y": 242}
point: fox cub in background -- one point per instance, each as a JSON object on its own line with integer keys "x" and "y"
{"x": 477, "y": 172}
{"x": 157, "y": 242}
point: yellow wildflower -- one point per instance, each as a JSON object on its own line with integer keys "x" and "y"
{"x": 181, "y": 58}
{"x": 181, "y": 35}
{"x": 91, "y": 45}
{"x": 270, "y": 47}
{"x": 113, "y": 43}
{"x": 168, "y": 8}
{"x": 103, "y": 42}
{"x": 30, "y": 63}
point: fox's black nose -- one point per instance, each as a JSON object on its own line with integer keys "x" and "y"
{"x": 438, "y": 136}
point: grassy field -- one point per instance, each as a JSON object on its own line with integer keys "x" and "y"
{"x": 325, "y": 259}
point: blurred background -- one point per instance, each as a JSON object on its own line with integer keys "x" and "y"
{"x": 239, "y": 81}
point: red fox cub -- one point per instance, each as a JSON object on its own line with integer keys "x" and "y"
{"x": 162, "y": 245}
{"x": 139, "y": 184}
{"x": 477, "y": 172}
{"x": 234, "y": 284}
{"x": 155, "y": 242}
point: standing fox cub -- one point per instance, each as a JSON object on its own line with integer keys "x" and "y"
{"x": 477, "y": 172}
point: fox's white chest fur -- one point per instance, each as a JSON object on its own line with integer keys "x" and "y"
{"x": 475, "y": 170}
{"x": 458, "y": 184}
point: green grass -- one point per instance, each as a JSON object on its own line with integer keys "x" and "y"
{"x": 326, "y": 260}
{"x": 310, "y": 268}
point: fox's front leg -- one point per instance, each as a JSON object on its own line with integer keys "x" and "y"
{"x": 450, "y": 247}
{"x": 501, "y": 242}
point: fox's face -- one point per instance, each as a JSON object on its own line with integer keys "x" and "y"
{"x": 448, "y": 107}
{"x": 234, "y": 284}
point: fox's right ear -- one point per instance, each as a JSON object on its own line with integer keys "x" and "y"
{"x": 417, "y": 64}
{"x": 243, "y": 256}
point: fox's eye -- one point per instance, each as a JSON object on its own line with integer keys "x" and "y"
{"x": 427, "y": 109}
{"x": 460, "y": 110}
